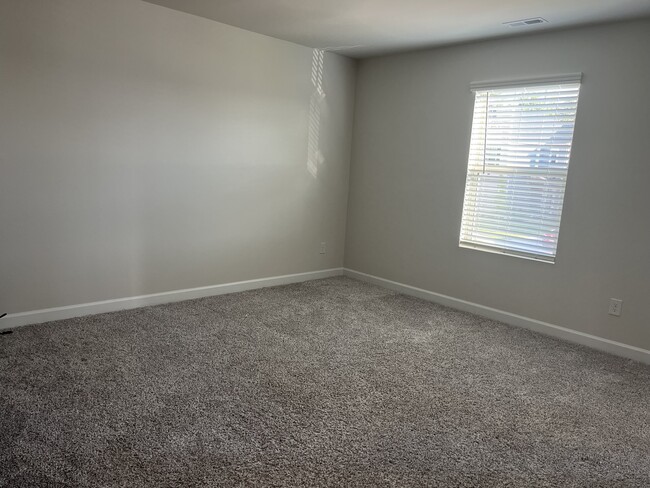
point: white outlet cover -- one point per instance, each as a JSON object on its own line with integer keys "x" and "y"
{"x": 615, "y": 306}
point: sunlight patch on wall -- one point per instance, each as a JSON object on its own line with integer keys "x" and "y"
{"x": 314, "y": 155}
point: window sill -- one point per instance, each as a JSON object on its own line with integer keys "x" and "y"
{"x": 505, "y": 252}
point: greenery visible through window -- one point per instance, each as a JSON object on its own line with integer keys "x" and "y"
{"x": 517, "y": 168}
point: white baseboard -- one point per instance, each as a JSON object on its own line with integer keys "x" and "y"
{"x": 59, "y": 313}
{"x": 595, "y": 342}
{"x": 46, "y": 315}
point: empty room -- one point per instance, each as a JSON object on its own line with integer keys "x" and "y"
{"x": 324, "y": 243}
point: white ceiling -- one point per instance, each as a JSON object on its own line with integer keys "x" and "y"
{"x": 381, "y": 26}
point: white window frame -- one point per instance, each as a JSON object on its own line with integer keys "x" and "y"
{"x": 506, "y": 240}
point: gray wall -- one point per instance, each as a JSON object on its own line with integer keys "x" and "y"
{"x": 145, "y": 150}
{"x": 411, "y": 138}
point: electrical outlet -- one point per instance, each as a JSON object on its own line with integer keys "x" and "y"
{"x": 615, "y": 306}
{"x": 323, "y": 247}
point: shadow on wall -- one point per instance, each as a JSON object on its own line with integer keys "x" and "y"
{"x": 314, "y": 155}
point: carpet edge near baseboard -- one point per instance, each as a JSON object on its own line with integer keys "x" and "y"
{"x": 595, "y": 342}
{"x": 33, "y": 317}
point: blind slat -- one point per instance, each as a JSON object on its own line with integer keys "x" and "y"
{"x": 469, "y": 221}
{"x": 508, "y": 223}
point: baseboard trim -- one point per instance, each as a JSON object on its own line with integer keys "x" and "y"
{"x": 595, "y": 342}
{"x": 12, "y": 321}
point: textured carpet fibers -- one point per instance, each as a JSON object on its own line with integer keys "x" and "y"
{"x": 327, "y": 383}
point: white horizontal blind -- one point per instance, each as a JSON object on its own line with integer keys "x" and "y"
{"x": 517, "y": 168}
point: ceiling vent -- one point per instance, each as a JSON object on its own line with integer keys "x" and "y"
{"x": 526, "y": 22}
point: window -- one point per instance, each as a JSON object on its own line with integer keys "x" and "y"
{"x": 517, "y": 168}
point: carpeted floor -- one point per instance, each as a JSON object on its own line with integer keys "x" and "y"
{"x": 326, "y": 383}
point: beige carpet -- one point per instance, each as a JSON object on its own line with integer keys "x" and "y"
{"x": 326, "y": 383}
